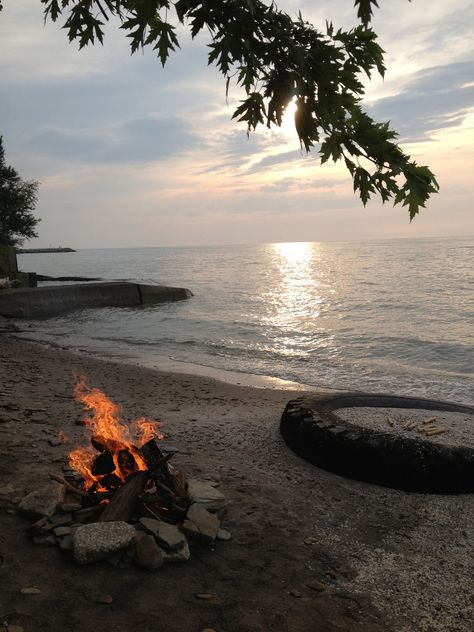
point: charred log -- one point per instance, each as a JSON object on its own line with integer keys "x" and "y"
{"x": 125, "y": 499}
{"x": 162, "y": 471}
{"x": 103, "y": 464}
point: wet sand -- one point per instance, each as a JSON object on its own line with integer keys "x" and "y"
{"x": 311, "y": 551}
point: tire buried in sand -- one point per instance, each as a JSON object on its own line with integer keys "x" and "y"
{"x": 376, "y": 454}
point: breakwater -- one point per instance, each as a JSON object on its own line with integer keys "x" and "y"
{"x": 47, "y": 301}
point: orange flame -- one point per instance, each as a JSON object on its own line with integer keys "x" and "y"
{"x": 110, "y": 437}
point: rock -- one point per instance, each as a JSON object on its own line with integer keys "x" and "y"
{"x": 66, "y": 543}
{"x": 314, "y": 584}
{"x": 224, "y": 535}
{"x": 296, "y": 593}
{"x": 97, "y": 540}
{"x": 44, "y": 540}
{"x": 200, "y": 524}
{"x": 61, "y": 519}
{"x": 179, "y": 555}
{"x": 55, "y": 441}
{"x": 42, "y": 502}
{"x": 30, "y": 590}
{"x": 70, "y": 507}
{"x": 148, "y": 554}
{"x": 60, "y": 531}
{"x": 204, "y": 596}
{"x": 204, "y": 493}
{"x": 167, "y": 535}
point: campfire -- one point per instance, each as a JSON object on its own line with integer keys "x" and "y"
{"x": 122, "y": 466}
{"x": 126, "y": 495}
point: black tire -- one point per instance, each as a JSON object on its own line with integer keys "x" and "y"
{"x": 310, "y": 427}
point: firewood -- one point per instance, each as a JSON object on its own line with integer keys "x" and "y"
{"x": 68, "y": 486}
{"x": 158, "y": 463}
{"x": 123, "y": 501}
{"x": 436, "y": 431}
{"x": 88, "y": 513}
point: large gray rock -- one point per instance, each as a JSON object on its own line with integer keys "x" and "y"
{"x": 200, "y": 524}
{"x": 167, "y": 535}
{"x": 42, "y": 502}
{"x": 205, "y": 494}
{"x": 98, "y": 540}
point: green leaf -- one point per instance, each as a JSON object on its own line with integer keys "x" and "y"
{"x": 252, "y": 111}
{"x": 364, "y": 11}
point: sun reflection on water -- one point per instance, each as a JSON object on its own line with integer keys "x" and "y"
{"x": 296, "y": 299}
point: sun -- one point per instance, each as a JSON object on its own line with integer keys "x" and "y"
{"x": 288, "y": 121}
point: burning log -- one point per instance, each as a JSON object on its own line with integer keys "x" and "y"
{"x": 103, "y": 464}
{"x": 124, "y": 499}
{"x": 174, "y": 480}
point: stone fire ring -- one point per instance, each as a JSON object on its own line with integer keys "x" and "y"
{"x": 409, "y": 462}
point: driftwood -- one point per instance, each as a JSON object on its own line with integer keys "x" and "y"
{"x": 124, "y": 499}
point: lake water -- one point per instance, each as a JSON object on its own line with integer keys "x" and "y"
{"x": 393, "y": 315}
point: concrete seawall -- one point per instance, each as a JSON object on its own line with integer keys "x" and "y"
{"x": 46, "y": 301}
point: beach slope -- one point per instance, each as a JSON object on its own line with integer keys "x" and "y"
{"x": 310, "y": 550}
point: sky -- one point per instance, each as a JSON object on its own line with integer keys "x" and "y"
{"x": 129, "y": 154}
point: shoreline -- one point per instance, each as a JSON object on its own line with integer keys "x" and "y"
{"x": 254, "y": 380}
{"x": 179, "y": 367}
{"x": 383, "y": 560}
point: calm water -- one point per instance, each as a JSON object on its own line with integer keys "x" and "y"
{"x": 394, "y": 316}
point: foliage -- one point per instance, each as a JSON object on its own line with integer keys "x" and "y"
{"x": 17, "y": 201}
{"x": 276, "y": 60}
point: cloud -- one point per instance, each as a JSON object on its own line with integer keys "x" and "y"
{"x": 279, "y": 159}
{"x": 303, "y": 185}
{"x": 138, "y": 140}
{"x": 434, "y": 99}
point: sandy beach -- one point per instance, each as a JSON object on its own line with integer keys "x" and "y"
{"x": 310, "y": 551}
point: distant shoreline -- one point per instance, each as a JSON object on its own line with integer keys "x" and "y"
{"x": 28, "y": 251}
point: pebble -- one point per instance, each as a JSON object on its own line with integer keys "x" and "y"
{"x": 30, "y": 590}
{"x": 107, "y": 599}
{"x": 204, "y": 596}
{"x": 224, "y": 535}
{"x": 296, "y": 593}
{"x": 314, "y": 584}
